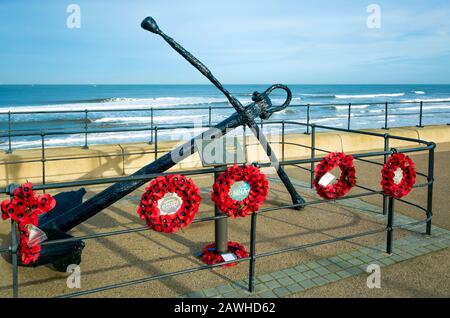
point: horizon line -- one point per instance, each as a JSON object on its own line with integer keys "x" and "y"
{"x": 206, "y": 84}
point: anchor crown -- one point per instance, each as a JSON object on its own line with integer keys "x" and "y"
{"x": 150, "y": 24}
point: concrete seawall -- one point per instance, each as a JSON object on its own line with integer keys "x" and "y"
{"x": 74, "y": 163}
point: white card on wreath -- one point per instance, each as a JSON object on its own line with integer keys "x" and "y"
{"x": 326, "y": 179}
{"x": 36, "y": 236}
{"x": 398, "y": 176}
{"x": 228, "y": 257}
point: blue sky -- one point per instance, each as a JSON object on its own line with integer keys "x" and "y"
{"x": 304, "y": 42}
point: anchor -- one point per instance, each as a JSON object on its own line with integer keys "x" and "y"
{"x": 70, "y": 211}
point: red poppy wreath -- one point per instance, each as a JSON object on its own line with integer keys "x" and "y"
{"x": 346, "y": 181}
{"x": 240, "y": 190}
{"x": 24, "y": 208}
{"x": 210, "y": 255}
{"x": 398, "y": 175}
{"x": 169, "y": 203}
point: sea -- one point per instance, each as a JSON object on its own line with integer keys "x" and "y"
{"x": 119, "y": 107}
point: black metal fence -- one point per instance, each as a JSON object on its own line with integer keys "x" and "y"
{"x": 387, "y": 204}
{"x": 387, "y": 110}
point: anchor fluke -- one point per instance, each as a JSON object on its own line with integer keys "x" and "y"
{"x": 150, "y": 24}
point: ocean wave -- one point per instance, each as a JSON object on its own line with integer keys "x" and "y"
{"x": 369, "y": 96}
{"x": 429, "y": 100}
{"x": 45, "y": 120}
{"x": 123, "y": 104}
{"x": 146, "y": 119}
{"x": 286, "y": 111}
{"x": 345, "y": 107}
{"x": 110, "y": 137}
{"x": 318, "y": 95}
{"x": 419, "y": 92}
{"x": 389, "y": 120}
{"x": 349, "y": 96}
{"x": 324, "y": 120}
{"x": 425, "y": 107}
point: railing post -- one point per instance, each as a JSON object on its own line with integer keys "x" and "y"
{"x": 85, "y": 129}
{"x": 349, "y": 115}
{"x": 220, "y": 226}
{"x": 390, "y": 226}
{"x": 209, "y": 116}
{"x": 43, "y": 157}
{"x": 156, "y": 142}
{"x": 420, "y": 115}
{"x": 13, "y": 250}
{"x": 307, "y": 118}
{"x": 430, "y": 180}
{"x": 386, "y": 116}
{"x": 313, "y": 152}
{"x": 244, "y": 131}
{"x": 9, "y": 133}
{"x": 252, "y": 266}
{"x": 282, "y": 140}
{"x": 386, "y": 148}
{"x": 151, "y": 126}
{"x": 15, "y": 269}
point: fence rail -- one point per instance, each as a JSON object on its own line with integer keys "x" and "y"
{"x": 386, "y": 203}
{"x": 386, "y": 112}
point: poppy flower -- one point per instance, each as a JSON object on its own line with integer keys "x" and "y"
{"x": 45, "y": 203}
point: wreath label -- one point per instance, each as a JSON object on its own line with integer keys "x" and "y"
{"x": 239, "y": 190}
{"x": 327, "y": 179}
{"x": 36, "y": 236}
{"x": 228, "y": 257}
{"x": 169, "y": 204}
{"x": 398, "y": 176}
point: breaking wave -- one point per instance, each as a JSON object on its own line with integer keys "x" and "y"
{"x": 369, "y": 95}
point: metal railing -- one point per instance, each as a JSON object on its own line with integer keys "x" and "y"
{"x": 387, "y": 206}
{"x": 386, "y": 112}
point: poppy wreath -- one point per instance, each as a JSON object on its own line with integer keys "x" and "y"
{"x": 346, "y": 181}
{"x": 210, "y": 256}
{"x": 184, "y": 188}
{"x": 24, "y": 208}
{"x": 259, "y": 188}
{"x": 394, "y": 162}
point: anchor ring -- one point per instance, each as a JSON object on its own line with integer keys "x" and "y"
{"x": 267, "y": 108}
